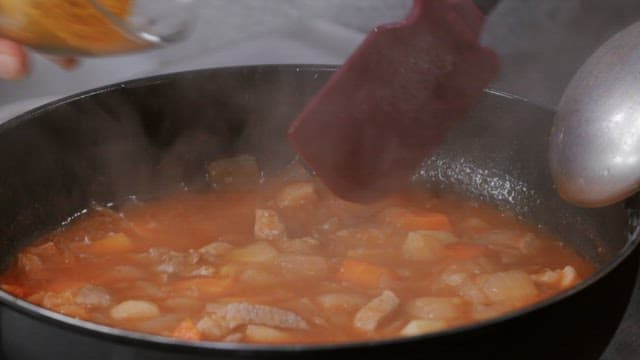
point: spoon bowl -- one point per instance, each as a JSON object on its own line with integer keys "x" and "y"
{"x": 595, "y": 140}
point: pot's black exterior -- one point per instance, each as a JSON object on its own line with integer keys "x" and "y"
{"x": 159, "y": 133}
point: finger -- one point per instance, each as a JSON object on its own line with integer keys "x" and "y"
{"x": 64, "y": 63}
{"x": 13, "y": 60}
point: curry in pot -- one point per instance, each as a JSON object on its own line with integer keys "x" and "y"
{"x": 282, "y": 260}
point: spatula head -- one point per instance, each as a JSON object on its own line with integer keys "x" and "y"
{"x": 393, "y": 101}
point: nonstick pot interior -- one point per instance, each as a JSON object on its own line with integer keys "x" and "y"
{"x": 153, "y": 136}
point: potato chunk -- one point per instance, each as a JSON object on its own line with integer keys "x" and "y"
{"x": 30, "y": 264}
{"x": 213, "y": 327}
{"x": 94, "y": 296}
{"x": 304, "y": 245}
{"x": 134, "y": 309}
{"x": 426, "y": 245}
{"x": 368, "y": 318}
{"x": 510, "y": 286}
{"x": 268, "y": 225}
{"x": 342, "y": 301}
{"x": 259, "y": 252}
{"x": 235, "y": 172}
{"x": 112, "y": 244}
{"x": 302, "y": 266}
{"x": 561, "y": 278}
{"x": 436, "y": 308}
{"x": 297, "y": 194}
{"x": 265, "y": 334}
{"x": 422, "y": 326}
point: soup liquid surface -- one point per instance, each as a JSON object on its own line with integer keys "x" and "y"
{"x": 287, "y": 262}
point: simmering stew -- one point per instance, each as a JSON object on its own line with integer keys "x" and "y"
{"x": 282, "y": 260}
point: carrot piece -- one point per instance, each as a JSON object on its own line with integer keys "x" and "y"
{"x": 419, "y": 221}
{"x": 14, "y": 290}
{"x": 362, "y": 273}
{"x": 112, "y": 244}
{"x": 465, "y": 251}
{"x": 187, "y": 330}
{"x": 206, "y": 286}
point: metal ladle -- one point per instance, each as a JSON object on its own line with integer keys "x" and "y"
{"x": 595, "y": 140}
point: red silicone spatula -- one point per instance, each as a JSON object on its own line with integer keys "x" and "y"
{"x": 393, "y": 101}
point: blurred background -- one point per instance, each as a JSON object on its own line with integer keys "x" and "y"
{"x": 541, "y": 43}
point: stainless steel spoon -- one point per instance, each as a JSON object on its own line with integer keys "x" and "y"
{"x": 595, "y": 141}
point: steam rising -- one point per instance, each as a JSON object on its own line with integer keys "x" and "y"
{"x": 542, "y": 43}
{"x": 144, "y": 139}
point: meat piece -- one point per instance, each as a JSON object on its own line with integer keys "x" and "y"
{"x": 426, "y": 245}
{"x": 370, "y": 315}
{"x": 268, "y": 225}
{"x": 134, "y": 309}
{"x": 297, "y": 194}
{"x": 94, "y": 296}
{"x": 306, "y": 306}
{"x": 561, "y": 278}
{"x": 236, "y": 314}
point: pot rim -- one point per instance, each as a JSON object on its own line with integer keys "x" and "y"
{"x": 130, "y": 337}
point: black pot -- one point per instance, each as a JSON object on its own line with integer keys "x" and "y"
{"x": 152, "y": 136}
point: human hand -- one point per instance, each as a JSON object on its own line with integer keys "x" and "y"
{"x": 14, "y": 62}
